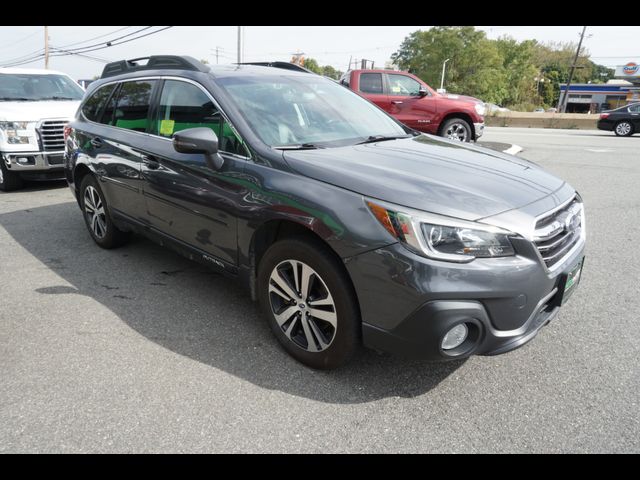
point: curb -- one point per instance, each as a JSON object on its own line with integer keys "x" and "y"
{"x": 513, "y": 150}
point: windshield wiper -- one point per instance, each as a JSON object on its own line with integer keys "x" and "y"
{"x": 17, "y": 99}
{"x": 381, "y": 138}
{"x": 302, "y": 146}
{"x": 57, "y": 98}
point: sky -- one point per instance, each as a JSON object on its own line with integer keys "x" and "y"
{"x": 334, "y": 46}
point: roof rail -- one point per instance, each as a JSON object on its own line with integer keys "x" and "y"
{"x": 154, "y": 62}
{"x": 284, "y": 65}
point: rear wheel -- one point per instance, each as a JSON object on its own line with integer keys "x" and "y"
{"x": 456, "y": 129}
{"x": 97, "y": 217}
{"x": 309, "y": 303}
{"x": 8, "y": 180}
{"x": 624, "y": 129}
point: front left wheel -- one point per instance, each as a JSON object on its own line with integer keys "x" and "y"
{"x": 309, "y": 302}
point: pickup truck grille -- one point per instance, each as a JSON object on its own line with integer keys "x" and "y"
{"x": 558, "y": 232}
{"x": 52, "y": 135}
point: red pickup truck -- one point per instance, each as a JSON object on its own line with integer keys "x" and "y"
{"x": 417, "y": 105}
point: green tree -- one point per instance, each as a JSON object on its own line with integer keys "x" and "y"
{"x": 312, "y": 64}
{"x": 475, "y": 66}
{"x": 329, "y": 71}
{"x": 520, "y": 73}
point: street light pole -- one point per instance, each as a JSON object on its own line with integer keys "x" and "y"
{"x": 443, "y": 67}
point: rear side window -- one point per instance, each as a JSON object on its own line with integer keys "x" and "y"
{"x": 131, "y": 107}
{"x": 634, "y": 108}
{"x": 94, "y": 105}
{"x": 184, "y": 105}
{"x": 371, "y": 82}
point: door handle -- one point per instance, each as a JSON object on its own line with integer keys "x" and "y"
{"x": 397, "y": 102}
{"x": 96, "y": 142}
{"x": 150, "y": 162}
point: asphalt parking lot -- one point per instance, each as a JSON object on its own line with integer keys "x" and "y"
{"x": 140, "y": 350}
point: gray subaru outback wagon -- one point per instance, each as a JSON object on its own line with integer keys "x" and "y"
{"x": 348, "y": 227}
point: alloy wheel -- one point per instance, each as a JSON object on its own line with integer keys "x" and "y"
{"x": 94, "y": 210}
{"x": 623, "y": 128}
{"x": 302, "y": 305}
{"x": 457, "y": 131}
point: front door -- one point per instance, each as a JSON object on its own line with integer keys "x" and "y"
{"x": 184, "y": 198}
{"x": 408, "y": 106}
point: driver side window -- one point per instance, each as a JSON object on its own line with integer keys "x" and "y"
{"x": 401, "y": 85}
{"x": 184, "y": 105}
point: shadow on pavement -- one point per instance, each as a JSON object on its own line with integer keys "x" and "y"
{"x": 197, "y": 313}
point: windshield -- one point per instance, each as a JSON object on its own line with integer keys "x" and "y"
{"x": 33, "y": 87}
{"x": 307, "y": 111}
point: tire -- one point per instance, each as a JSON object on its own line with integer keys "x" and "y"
{"x": 9, "y": 180}
{"x": 100, "y": 225}
{"x": 623, "y": 129}
{"x": 321, "y": 343}
{"x": 456, "y": 129}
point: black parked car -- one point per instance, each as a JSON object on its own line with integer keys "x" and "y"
{"x": 624, "y": 121}
{"x": 347, "y": 226}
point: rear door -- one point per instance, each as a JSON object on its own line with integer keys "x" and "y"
{"x": 371, "y": 86}
{"x": 184, "y": 198}
{"x": 112, "y": 141}
{"x": 407, "y": 105}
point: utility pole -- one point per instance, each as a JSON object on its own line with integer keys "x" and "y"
{"x": 46, "y": 47}
{"x": 217, "y": 55}
{"x": 239, "y": 44}
{"x": 563, "y": 106}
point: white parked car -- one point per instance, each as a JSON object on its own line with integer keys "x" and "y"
{"x": 35, "y": 106}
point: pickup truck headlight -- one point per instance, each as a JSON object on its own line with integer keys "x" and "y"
{"x": 18, "y": 133}
{"x": 480, "y": 109}
{"x": 443, "y": 238}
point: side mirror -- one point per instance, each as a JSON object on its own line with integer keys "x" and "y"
{"x": 423, "y": 91}
{"x": 199, "y": 140}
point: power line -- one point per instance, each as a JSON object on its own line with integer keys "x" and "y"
{"x": 90, "y": 57}
{"x": 95, "y": 38}
{"x": 104, "y": 45}
{"x": 22, "y": 39}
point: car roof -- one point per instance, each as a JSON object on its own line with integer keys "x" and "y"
{"x": 30, "y": 71}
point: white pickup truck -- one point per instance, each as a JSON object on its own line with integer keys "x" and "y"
{"x": 35, "y": 106}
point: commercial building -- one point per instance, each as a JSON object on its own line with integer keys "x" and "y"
{"x": 593, "y": 98}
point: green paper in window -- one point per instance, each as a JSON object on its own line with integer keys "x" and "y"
{"x": 166, "y": 127}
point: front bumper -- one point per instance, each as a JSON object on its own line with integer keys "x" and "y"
{"x": 479, "y": 130}
{"x": 35, "y": 162}
{"x": 409, "y": 302}
{"x": 31, "y": 161}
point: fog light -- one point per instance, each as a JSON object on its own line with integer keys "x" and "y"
{"x": 455, "y": 337}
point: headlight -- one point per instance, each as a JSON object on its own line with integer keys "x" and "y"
{"x": 480, "y": 109}
{"x": 18, "y": 132}
{"x": 443, "y": 238}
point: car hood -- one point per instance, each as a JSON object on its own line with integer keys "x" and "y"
{"x": 430, "y": 174}
{"x": 34, "y": 111}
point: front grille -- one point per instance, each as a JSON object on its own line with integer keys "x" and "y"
{"x": 558, "y": 232}
{"x": 52, "y": 135}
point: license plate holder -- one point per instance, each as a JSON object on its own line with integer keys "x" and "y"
{"x": 569, "y": 281}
